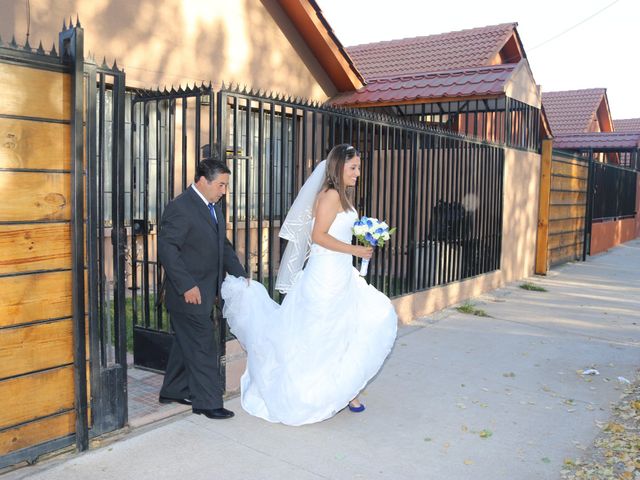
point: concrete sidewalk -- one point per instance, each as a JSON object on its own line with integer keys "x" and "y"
{"x": 460, "y": 397}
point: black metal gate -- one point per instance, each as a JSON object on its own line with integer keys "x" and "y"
{"x": 105, "y": 234}
{"x": 170, "y": 131}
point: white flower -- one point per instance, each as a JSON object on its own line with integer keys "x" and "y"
{"x": 360, "y": 229}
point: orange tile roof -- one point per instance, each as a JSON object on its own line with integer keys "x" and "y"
{"x": 474, "y": 47}
{"x": 627, "y": 125}
{"x": 571, "y": 111}
{"x": 598, "y": 140}
{"x": 471, "y": 82}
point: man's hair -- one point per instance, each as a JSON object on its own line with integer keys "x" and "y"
{"x": 210, "y": 169}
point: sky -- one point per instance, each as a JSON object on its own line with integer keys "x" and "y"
{"x": 570, "y": 44}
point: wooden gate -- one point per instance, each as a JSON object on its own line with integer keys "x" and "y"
{"x": 37, "y": 389}
{"x": 51, "y": 306}
{"x": 562, "y": 209}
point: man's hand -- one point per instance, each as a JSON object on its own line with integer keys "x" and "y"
{"x": 193, "y": 296}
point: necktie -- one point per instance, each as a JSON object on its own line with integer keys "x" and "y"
{"x": 213, "y": 213}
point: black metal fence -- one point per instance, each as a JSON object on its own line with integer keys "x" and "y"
{"x": 614, "y": 192}
{"x": 501, "y": 120}
{"x": 442, "y": 191}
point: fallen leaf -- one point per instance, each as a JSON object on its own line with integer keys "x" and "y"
{"x": 614, "y": 428}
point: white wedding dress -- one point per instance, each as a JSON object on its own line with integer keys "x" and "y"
{"x": 307, "y": 358}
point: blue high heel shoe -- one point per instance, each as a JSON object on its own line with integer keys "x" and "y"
{"x": 356, "y": 409}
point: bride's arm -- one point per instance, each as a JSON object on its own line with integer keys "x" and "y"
{"x": 327, "y": 208}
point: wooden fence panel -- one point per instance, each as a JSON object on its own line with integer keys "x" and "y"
{"x": 35, "y": 145}
{"x": 36, "y": 347}
{"x": 32, "y": 298}
{"x": 31, "y": 247}
{"x": 36, "y": 333}
{"x": 33, "y": 92}
{"x": 36, "y": 432}
{"x": 567, "y": 207}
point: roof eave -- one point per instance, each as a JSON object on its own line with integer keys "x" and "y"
{"x": 308, "y": 19}
{"x": 417, "y": 101}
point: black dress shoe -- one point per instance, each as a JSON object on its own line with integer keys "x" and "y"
{"x": 214, "y": 413}
{"x": 182, "y": 401}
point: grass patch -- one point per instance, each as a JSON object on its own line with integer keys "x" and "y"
{"x": 470, "y": 309}
{"x": 532, "y": 287}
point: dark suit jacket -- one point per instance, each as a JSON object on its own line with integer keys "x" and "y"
{"x": 194, "y": 251}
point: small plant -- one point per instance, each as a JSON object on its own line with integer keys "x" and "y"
{"x": 532, "y": 287}
{"x": 470, "y": 309}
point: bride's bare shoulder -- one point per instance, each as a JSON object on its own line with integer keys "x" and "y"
{"x": 327, "y": 199}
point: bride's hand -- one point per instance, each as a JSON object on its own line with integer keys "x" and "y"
{"x": 363, "y": 252}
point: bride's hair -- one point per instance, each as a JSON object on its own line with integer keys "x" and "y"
{"x": 334, "y": 176}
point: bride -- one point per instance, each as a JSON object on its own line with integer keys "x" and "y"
{"x": 311, "y": 356}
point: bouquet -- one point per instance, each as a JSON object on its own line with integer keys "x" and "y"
{"x": 371, "y": 232}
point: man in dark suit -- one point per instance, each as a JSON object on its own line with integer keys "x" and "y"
{"x": 195, "y": 253}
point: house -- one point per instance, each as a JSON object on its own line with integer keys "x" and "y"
{"x": 582, "y": 124}
{"x": 581, "y": 121}
{"x": 476, "y": 81}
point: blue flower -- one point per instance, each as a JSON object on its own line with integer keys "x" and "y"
{"x": 369, "y": 238}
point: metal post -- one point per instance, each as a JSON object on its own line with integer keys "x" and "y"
{"x": 586, "y": 245}
{"x": 71, "y": 44}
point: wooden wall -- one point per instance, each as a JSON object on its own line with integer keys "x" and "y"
{"x": 562, "y": 208}
{"x": 36, "y": 338}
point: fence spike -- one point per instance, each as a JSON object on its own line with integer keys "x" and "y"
{"x": 70, "y": 22}
{"x": 26, "y": 46}
{"x": 115, "y": 66}
{"x": 64, "y": 24}
{"x": 78, "y": 21}
{"x": 53, "y": 52}
{"x": 40, "y": 50}
{"x": 13, "y": 43}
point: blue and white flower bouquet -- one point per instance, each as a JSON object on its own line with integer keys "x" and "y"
{"x": 371, "y": 232}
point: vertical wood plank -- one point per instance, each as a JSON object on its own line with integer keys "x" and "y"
{"x": 542, "y": 250}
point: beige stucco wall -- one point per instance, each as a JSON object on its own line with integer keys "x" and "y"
{"x": 179, "y": 42}
{"x": 522, "y": 86}
{"x": 520, "y": 217}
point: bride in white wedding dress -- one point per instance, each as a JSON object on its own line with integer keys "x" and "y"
{"x": 309, "y": 358}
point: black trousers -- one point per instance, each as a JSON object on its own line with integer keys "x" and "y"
{"x": 193, "y": 370}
